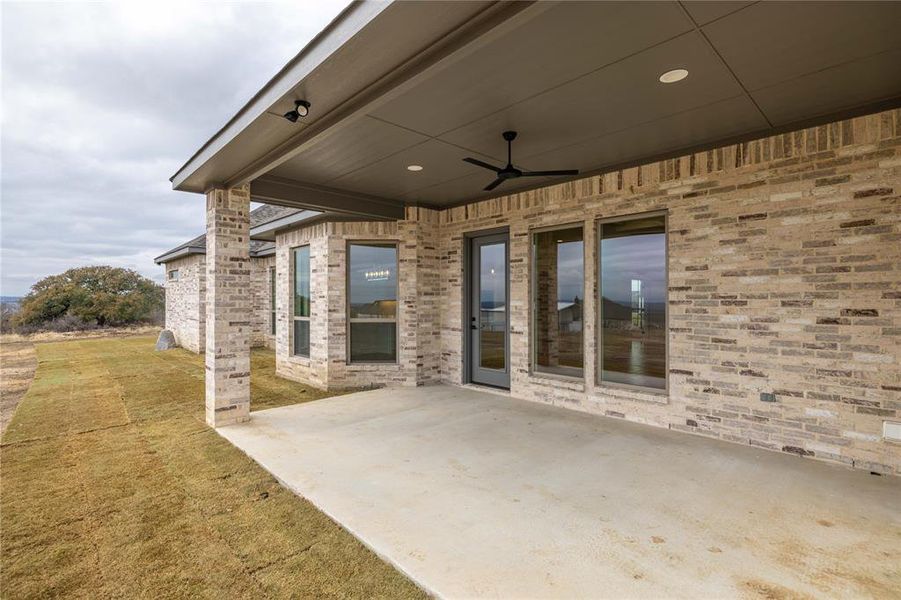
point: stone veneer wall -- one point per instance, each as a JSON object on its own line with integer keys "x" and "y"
{"x": 784, "y": 263}
{"x": 186, "y": 302}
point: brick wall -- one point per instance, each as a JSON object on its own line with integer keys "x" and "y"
{"x": 783, "y": 255}
{"x": 229, "y": 306}
{"x": 312, "y": 370}
{"x": 261, "y": 334}
{"x": 186, "y": 302}
{"x": 417, "y": 331}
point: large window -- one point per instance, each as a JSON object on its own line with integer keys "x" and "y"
{"x": 558, "y": 281}
{"x": 302, "y": 301}
{"x": 633, "y": 301}
{"x": 372, "y": 301}
{"x": 272, "y": 300}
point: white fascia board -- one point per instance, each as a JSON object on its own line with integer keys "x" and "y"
{"x": 347, "y": 24}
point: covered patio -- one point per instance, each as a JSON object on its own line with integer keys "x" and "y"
{"x": 671, "y": 218}
{"x": 476, "y": 494}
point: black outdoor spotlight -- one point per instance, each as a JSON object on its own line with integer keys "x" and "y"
{"x": 301, "y": 109}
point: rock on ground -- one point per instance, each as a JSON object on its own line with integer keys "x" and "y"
{"x": 166, "y": 341}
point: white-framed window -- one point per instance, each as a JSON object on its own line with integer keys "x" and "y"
{"x": 632, "y": 313}
{"x": 174, "y": 275}
{"x": 372, "y": 302}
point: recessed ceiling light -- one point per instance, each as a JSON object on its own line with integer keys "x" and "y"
{"x": 673, "y": 76}
{"x": 414, "y": 168}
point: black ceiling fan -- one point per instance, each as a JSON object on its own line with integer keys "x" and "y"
{"x": 511, "y": 172}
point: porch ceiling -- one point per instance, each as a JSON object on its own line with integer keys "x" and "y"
{"x": 432, "y": 83}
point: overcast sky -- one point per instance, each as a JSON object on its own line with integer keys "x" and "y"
{"x": 101, "y": 103}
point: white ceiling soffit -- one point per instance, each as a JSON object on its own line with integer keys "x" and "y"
{"x": 429, "y": 83}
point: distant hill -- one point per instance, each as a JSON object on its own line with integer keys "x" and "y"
{"x": 10, "y": 299}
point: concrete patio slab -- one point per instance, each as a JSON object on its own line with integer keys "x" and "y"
{"x": 478, "y": 495}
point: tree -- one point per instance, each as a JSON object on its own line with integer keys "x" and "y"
{"x": 106, "y": 296}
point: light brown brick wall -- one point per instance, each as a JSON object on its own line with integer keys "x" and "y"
{"x": 784, "y": 261}
{"x": 314, "y": 369}
{"x": 261, "y": 296}
{"x": 228, "y": 317}
{"x": 186, "y": 302}
{"x": 417, "y": 320}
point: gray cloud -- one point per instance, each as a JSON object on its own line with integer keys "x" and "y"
{"x": 103, "y": 102}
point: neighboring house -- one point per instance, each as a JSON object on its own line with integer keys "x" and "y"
{"x": 740, "y": 229}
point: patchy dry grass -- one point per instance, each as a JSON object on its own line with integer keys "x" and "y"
{"x": 59, "y": 336}
{"x": 113, "y": 486}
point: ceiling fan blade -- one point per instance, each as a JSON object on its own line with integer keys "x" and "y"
{"x": 551, "y": 173}
{"x": 494, "y": 184}
{"x": 484, "y": 165}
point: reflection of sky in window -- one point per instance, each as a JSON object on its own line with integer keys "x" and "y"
{"x": 569, "y": 271}
{"x": 371, "y": 259}
{"x": 493, "y": 282}
{"x": 302, "y": 281}
{"x": 634, "y": 257}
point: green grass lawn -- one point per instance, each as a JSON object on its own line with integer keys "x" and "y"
{"x": 113, "y": 486}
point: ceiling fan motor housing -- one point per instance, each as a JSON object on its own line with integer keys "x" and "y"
{"x": 511, "y": 172}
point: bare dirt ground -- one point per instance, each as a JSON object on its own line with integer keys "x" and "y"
{"x": 17, "y": 365}
{"x": 18, "y": 361}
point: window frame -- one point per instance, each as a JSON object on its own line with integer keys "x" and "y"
{"x": 294, "y": 317}
{"x": 174, "y": 275}
{"x": 534, "y": 369}
{"x": 599, "y": 335}
{"x": 273, "y": 286}
{"x": 348, "y": 320}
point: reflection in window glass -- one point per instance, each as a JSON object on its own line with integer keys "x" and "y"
{"x": 372, "y": 342}
{"x": 493, "y": 306}
{"x": 633, "y": 302}
{"x": 372, "y": 299}
{"x": 272, "y": 300}
{"x": 301, "y": 337}
{"x": 302, "y": 301}
{"x": 558, "y": 280}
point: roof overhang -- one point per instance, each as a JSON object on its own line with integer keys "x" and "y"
{"x": 429, "y": 83}
{"x": 252, "y": 116}
{"x": 179, "y": 253}
{"x": 267, "y": 251}
{"x": 267, "y": 231}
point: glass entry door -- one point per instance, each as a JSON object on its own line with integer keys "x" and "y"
{"x": 489, "y": 318}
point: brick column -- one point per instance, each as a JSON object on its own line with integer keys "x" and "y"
{"x": 228, "y": 306}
